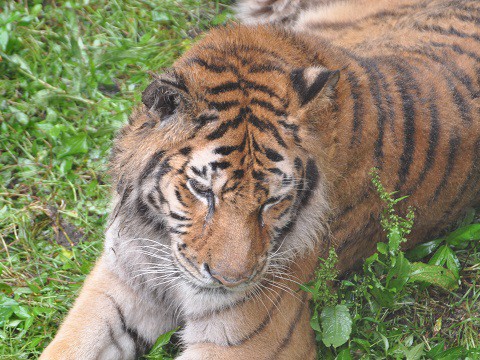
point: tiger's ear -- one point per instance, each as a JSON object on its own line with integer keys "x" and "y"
{"x": 160, "y": 99}
{"x": 164, "y": 95}
{"x": 309, "y": 82}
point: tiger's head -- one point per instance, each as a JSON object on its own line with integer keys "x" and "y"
{"x": 222, "y": 162}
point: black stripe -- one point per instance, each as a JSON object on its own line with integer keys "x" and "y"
{"x": 215, "y": 165}
{"x": 298, "y": 164}
{"x": 276, "y": 171}
{"x": 272, "y": 155}
{"x": 311, "y": 182}
{"x": 405, "y": 81}
{"x": 204, "y": 119}
{"x": 229, "y": 86}
{"x": 456, "y": 48}
{"x": 268, "y": 106}
{"x": 114, "y": 341}
{"x": 264, "y": 125}
{"x": 261, "y": 88}
{"x": 196, "y": 171}
{"x": 176, "y": 231}
{"x": 432, "y": 141}
{"x": 179, "y": 197}
{"x": 446, "y": 32}
{"x": 141, "y": 208}
{"x": 176, "y": 216}
{"x": 266, "y": 320}
{"x": 228, "y": 189}
{"x": 224, "y": 127}
{"x": 258, "y": 175}
{"x": 375, "y": 77}
{"x": 225, "y": 150}
{"x": 142, "y": 345}
{"x": 462, "y": 105}
{"x": 263, "y": 68}
{"x": 288, "y": 337}
{"x": 223, "y": 105}
{"x": 185, "y": 151}
{"x": 151, "y": 201}
{"x": 358, "y": 108}
{"x": 471, "y": 178}
{"x": 165, "y": 168}
{"x": 151, "y": 165}
{"x": 293, "y": 128}
{"x": 238, "y": 174}
{"x": 210, "y": 67}
{"x": 453, "y": 143}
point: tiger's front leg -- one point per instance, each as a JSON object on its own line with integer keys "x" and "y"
{"x": 271, "y": 324}
{"x": 109, "y": 321}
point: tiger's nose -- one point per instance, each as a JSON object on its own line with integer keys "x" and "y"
{"x": 228, "y": 281}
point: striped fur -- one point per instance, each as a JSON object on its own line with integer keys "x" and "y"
{"x": 252, "y": 154}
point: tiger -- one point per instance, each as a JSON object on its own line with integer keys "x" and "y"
{"x": 251, "y": 156}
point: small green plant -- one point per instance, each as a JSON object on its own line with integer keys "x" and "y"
{"x": 388, "y": 270}
{"x": 159, "y": 351}
{"x": 345, "y": 327}
{"x": 331, "y": 321}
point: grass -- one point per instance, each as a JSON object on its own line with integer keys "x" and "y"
{"x": 70, "y": 73}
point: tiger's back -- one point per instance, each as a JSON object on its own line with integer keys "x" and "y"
{"x": 413, "y": 77}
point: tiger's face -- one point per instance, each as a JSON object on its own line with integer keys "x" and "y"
{"x": 223, "y": 161}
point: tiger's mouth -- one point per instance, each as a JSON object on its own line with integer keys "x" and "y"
{"x": 202, "y": 278}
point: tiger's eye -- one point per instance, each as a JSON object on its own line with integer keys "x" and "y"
{"x": 200, "y": 188}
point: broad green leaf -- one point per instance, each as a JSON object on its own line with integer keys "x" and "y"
{"x": 437, "y": 350}
{"x": 440, "y": 257}
{"x": 344, "y": 355}
{"x": 423, "y": 250}
{"x": 382, "y": 248}
{"x": 466, "y": 233}
{"x": 363, "y": 344}
{"x": 7, "y": 308}
{"x": 22, "y": 312}
{"x": 394, "y": 240}
{"x": 75, "y": 145}
{"x": 415, "y": 353}
{"x": 398, "y": 276}
{"x": 157, "y": 350}
{"x": 434, "y": 275}
{"x": 456, "y": 353}
{"x": 314, "y": 322}
{"x": 453, "y": 264}
{"x": 3, "y": 39}
{"x": 336, "y": 324}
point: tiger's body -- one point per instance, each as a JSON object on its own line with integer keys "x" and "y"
{"x": 252, "y": 156}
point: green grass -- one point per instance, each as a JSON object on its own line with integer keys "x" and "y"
{"x": 70, "y": 74}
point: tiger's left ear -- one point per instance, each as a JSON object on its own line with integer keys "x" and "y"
{"x": 309, "y": 82}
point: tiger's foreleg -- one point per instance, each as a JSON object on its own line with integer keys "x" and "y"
{"x": 109, "y": 321}
{"x": 272, "y": 323}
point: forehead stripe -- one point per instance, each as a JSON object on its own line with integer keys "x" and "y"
{"x": 273, "y": 155}
{"x": 151, "y": 165}
{"x": 229, "y": 86}
{"x": 225, "y": 150}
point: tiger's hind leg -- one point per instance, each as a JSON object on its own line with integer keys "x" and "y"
{"x": 109, "y": 321}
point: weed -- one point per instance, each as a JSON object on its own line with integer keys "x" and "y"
{"x": 368, "y": 315}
